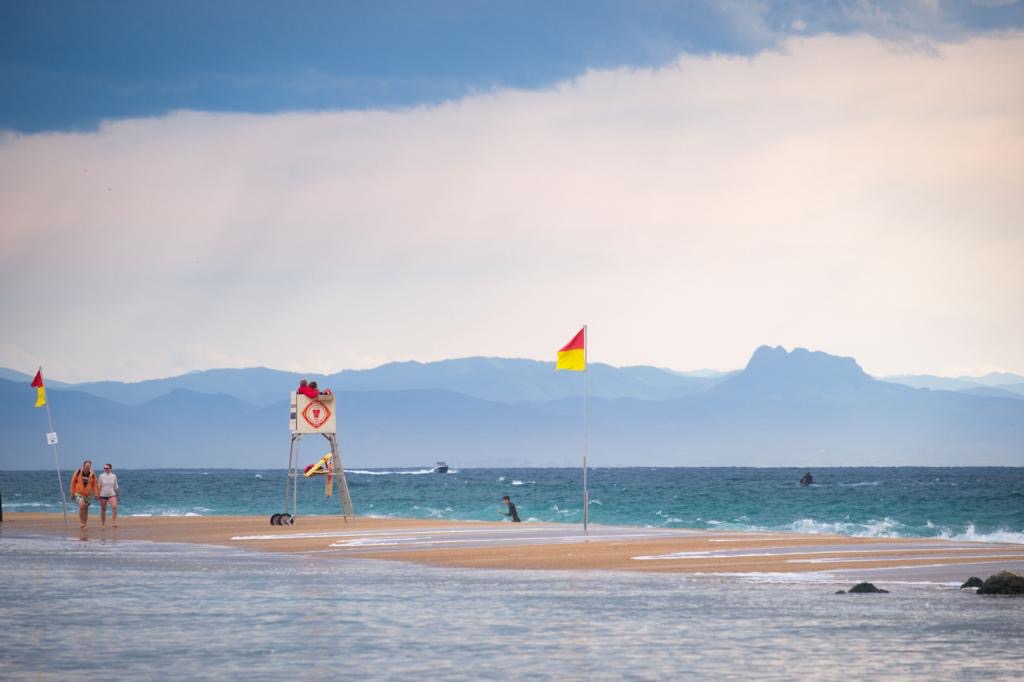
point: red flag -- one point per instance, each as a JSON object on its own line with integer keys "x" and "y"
{"x": 573, "y": 356}
{"x": 37, "y": 384}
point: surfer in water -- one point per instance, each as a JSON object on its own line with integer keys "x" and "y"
{"x": 511, "y": 509}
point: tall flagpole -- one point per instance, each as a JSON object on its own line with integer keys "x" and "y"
{"x": 56, "y": 459}
{"x": 586, "y": 500}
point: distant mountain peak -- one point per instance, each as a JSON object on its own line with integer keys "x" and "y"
{"x": 798, "y": 357}
{"x": 777, "y": 369}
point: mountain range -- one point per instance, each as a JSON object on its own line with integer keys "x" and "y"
{"x": 797, "y": 408}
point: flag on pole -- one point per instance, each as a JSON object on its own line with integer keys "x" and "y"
{"x": 37, "y": 384}
{"x": 573, "y": 355}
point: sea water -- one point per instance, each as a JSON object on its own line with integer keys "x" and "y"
{"x": 103, "y": 609}
{"x": 74, "y": 608}
{"x": 962, "y": 503}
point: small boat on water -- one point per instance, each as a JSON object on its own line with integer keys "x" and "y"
{"x": 440, "y": 468}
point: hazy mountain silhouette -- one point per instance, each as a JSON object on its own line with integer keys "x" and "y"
{"x": 497, "y": 379}
{"x": 1002, "y": 380}
{"x": 257, "y": 385}
{"x": 993, "y": 392}
{"x": 796, "y": 408}
{"x": 513, "y": 380}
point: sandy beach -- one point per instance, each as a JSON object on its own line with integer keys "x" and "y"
{"x": 499, "y": 545}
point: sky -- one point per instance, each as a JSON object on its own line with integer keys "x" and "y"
{"x": 318, "y": 186}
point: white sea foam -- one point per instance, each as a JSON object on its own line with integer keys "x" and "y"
{"x": 970, "y": 534}
{"x": 165, "y": 512}
{"x": 780, "y": 578}
{"x": 434, "y": 512}
{"x": 873, "y": 528}
{"x": 364, "y": 472}
{"x": 666, "y": 519}
{"x": 877, "y": 528}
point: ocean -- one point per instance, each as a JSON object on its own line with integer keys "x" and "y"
{"x": 963, "y": 503}
{"x": 75, "y": 609}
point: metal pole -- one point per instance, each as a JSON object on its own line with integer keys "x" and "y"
{"x": 288, "y": 471}
{"x": 295, "y": 484}
{"x": 56, "y": 460}
{"x": 586, "y": 494}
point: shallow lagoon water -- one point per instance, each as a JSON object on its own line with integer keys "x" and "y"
{"x": 145, "y": 610}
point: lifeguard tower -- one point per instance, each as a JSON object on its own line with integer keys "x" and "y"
{"x": 313, "y": 416}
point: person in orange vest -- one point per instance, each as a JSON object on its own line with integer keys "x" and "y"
{"x": 83, "y": 486}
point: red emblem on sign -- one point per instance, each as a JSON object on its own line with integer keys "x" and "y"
{"x": 316, "y": 413}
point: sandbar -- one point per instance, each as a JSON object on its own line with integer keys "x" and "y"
{"x": 550, "y": 546}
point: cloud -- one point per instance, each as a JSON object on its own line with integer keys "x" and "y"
{"x": 837, "y": 194}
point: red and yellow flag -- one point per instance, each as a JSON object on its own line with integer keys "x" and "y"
{"x": 574, "y": 355}
{"x": 37, "y": 384}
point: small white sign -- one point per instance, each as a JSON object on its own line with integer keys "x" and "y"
{"x": 51, "y": 438}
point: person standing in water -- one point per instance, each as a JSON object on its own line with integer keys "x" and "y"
{"x": 83, "y": 487}
{"x": 511, "y": 509}
{"x": 110, "y": 492}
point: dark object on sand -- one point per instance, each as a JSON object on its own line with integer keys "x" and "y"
{"x": 1003, "y": 583}
{"x": 864, "y": 588}
{"x": 973, "y": 581}
{"x": 807, "y": 479}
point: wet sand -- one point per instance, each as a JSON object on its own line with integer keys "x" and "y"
{"x": 499, "y": 545}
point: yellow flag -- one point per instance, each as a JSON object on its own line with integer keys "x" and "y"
{"x": 37, "y": 384}
{"x": 573, "y": 355}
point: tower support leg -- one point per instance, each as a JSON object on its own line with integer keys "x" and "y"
{"x": 339, "y": 472}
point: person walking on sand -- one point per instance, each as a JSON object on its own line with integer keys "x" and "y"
{"x": 83, "y": 487}
{"x": 511, "y": 509}
{"x": 110, "y": 492}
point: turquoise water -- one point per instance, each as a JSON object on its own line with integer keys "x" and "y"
{"x": 965, "y": 503}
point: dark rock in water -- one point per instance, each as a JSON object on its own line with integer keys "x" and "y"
{"x": 1003, "y": 583}
{"x": 973, "y": 581}
{"x": 866, "y": 588}
{"x": 840, "y": 591}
